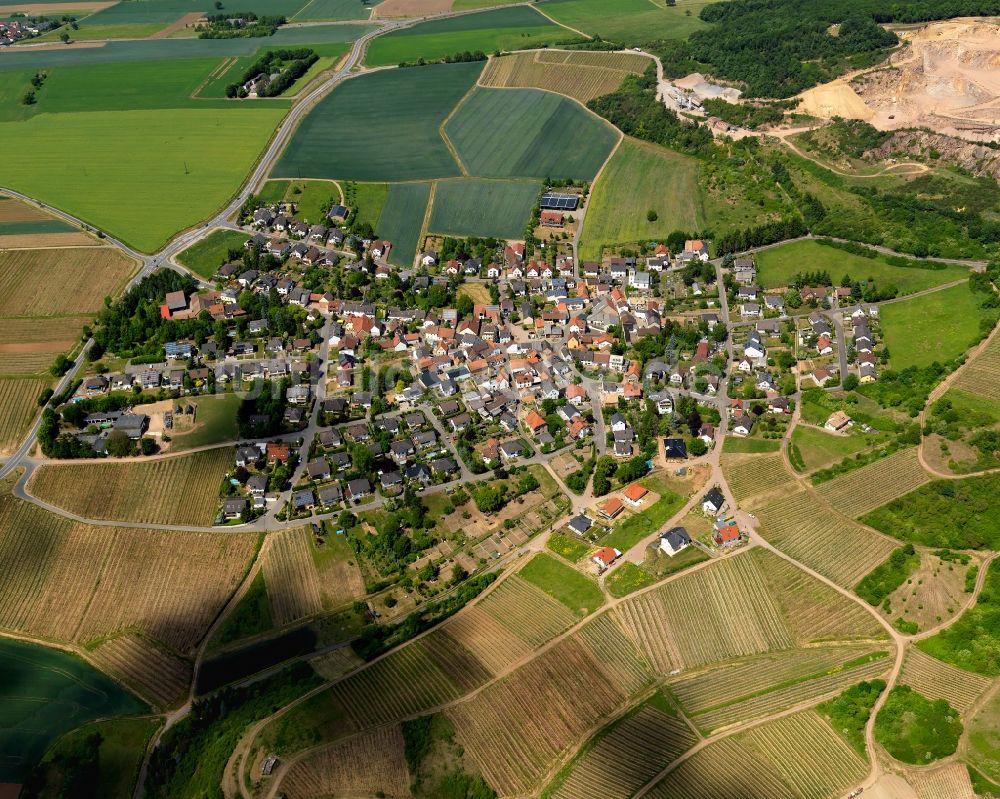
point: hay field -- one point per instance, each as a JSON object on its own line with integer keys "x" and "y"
{"x": 580, "y": 75}
{"x": 813, "y": 534}
{"x": 526, "y": 611}
{"x": 726, "y": 610}
{"x": 752, "y": 476}
{"x": 632, "y": 184}
{"x": 638, "y": 747}
{"x": 981, "y": 374}
{"x": 75, "y": 582}
{"x": 30, "y": 345}
{"x": 862, "y": 490}
{"x": 19, "y": 400}
{"x": 149, "y": 671}
{"x": 76, "y": 280}
{"x": 12, "y": 210}
{"x": 173, "y": 490}
{"x": 369, "y": 763}
{"x": 515, "y": 728}
{"x": 293, "y": 588}
{"x": 507, "y": 133}
{"x": 936, "y": 680}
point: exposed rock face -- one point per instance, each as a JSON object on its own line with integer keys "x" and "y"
{"x": 976, "y": 158}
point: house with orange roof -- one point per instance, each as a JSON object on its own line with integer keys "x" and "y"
{"x": 605, "y": 556}
{"x": 612, "y": 508}
{"x": 635, "y": 494}
{"x": 535, "y": 422}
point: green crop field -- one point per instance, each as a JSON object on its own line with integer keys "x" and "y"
{"x": 528, "y": 133}
{"x": 349, "y": 135}
{"x": 935, "y": 327}
{"x": 32, "y": 226}
{"x": 628, "y": 22}
{"x": 44, "y": 693}
{"x": 334, "y": 9}
{"x": 472, "y": 207}
{"x": 819, "y": 448}
{"x": 367, "y": 199}
{"x": 402, "y": 219}
{"x": 779, "y": 265}
{"x": 123, "y": 743}
{"x": 634, "y": 182}
{"x": 502, "y": 29}
{"x": 206, "y": 256}
{"x": 273, "y": 191}
{"x": 101, "y": 166}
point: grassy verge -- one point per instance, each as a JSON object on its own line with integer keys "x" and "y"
{"x": 206, "y": 256}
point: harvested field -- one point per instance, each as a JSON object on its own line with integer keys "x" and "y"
{"x": 782, "y": 698}
{"x": 405, "y": 682}
{"x": 515, "y": 728}
{"x": 178, "y": 25}
{"x": 638, "y": 747}
{"x": 173, "y": 490}
{"x": 862, "y": 490}
{"x": 84, "y": 276}
{"x": 495, "y": 645}
{"x": 75, "y": 582}
{"x": 725, "y": 684}
{"x": 30, "y": 345}
{"x": 12, "y": 210}
{"x": 293, "y": 589}
{"x": 723, "y": 611}
{"x": 161, "y": 678}
{"x": 527, "y": 611}
{"x": 36, "y": 241}
{"x": 18, "y": 398}
{"x": 369, "y": 763}
{"x": 816, "y": 612}
{"x": 950, "y": 781}
{"x": 411, "y": 8}
{"x": 54, "y": 8}
{"x": 580, "y": 75}
{"x": 937, "y": 680}
{"x": 832, "y": 545}
{"x": 981, "y": 374}
{"x": 751, "y": 476}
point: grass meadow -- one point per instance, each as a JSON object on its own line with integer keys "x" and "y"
{"x": 72, "y": 693}
{"x": 503, "y": 133}
{"x": 639, "y": 178}
{"x": 473, "y": 207}
{"x": 628, "y": 21}
{"x": 206, "y": 256}
{"x": 333, "y": 10}
{"x": 348, "y": 134}
{"x": 778, "y": 266}
{"x": 502, "y": 29}
{"x": 935, "y": 327}
{"x": 402, "y": 219}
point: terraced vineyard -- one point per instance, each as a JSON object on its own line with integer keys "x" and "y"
{"x": 580, "y": 75}
{"x": 515, "y": 728}
{"x": 30, "y": 345}
{"x": 608, "y": 643}
{"x": 950, "y": 781}
{"x": 527, "y": 611}
{"x": 293, "y": 589}
{"x": 936, "y": 680}
{"x": 751, "y": 476}
{"x": 636, "y": 746}
{"x": 713, "y": 614}
{"x": 368, "y": 764}
{"x": 76, "y": 582}
{"x": 981, "y": 375}
{"x": 489, "y": 640}
{"x": 814, "y": 535}
{"x": 798, "y": 757}
{"x": 729, "y": 683}
{"x": 782, "y": 698}
{"x": 862, "y": 490}
{"x": 175, "y": 490}
{"x": 151, "y": 672}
